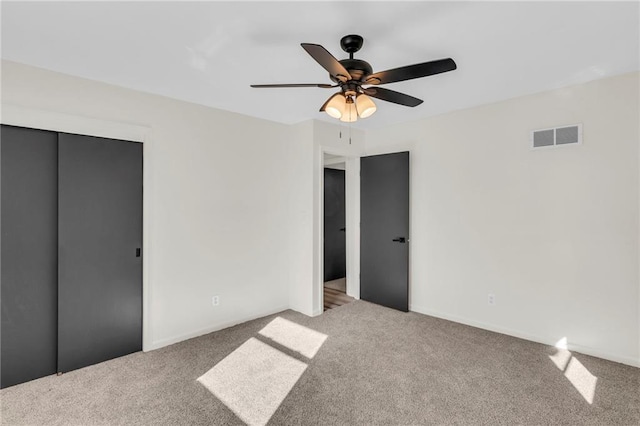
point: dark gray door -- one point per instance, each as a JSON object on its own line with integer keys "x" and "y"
{"x": 29, "y": 259}
{"x": 100, "y": 234}
{"x": 334, "y": 225}
{"x": 384, "y": 230}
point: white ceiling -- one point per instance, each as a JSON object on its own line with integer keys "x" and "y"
{"x": 209, "y": 52}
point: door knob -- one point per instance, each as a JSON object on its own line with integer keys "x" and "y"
{"x": 400, "y": 240}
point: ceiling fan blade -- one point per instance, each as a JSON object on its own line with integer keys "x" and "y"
{"x": 269, "y": 86}
{"x": 392, "y": 96}
{"x": 327, "y": 60}
{"x": 411, "y": 71}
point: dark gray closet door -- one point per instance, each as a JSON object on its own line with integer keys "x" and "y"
{"x": 384, "y": 230}
{"x": 29, "y": 253}
{"x": 335, "y": 255}
{"x": 100, "y": 234}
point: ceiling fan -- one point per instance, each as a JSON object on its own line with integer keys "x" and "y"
{"x": 351, "y": 75}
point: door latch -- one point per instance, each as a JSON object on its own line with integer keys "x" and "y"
{"x": 400, "y": 240}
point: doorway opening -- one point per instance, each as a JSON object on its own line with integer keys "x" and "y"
{"x": 334, "y": 230}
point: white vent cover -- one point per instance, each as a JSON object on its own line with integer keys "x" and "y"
{"x": 564, "y": 135}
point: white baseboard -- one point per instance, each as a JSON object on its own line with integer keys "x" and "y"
{"x": 157, "y": 344}
{"x": 522, "y": 335}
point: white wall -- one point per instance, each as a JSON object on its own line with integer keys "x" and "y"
{"x": 552, "y": 233}
{"x": 218, "y": 190}
{"x": 311, "y": 140}
{"x": 301, "y": 218}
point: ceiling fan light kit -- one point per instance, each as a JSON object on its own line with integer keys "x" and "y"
{"x": 345, "y": 108}
{"x": 365, "y": 106}
{"x": 350, "y": 114}
{"x": 351, "y": 74}
{"x": 335, "y": 105}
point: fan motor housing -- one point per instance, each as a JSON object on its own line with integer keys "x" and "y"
{"x": 357, "y": 69}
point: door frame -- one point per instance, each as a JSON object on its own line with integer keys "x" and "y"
{"x": 352, "y": 223}
{"x": 15, "y": 115}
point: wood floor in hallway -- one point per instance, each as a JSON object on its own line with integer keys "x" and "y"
{"x": 334, "y": 294}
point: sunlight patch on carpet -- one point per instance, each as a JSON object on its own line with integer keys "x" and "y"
{"x": 253, "y": 380}
{"x": 577, "y": 374}
{"x": 581, "y": 379}
{"x": 561, "y": 359}
{"x": 294, "y": 336}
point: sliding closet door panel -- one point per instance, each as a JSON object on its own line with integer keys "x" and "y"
{"x": 100, "y": 234}
{"x": 29, "y": 263}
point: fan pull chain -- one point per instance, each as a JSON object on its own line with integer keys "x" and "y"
{"x": 340, "y": 134}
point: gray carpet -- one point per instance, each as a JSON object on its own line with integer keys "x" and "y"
{"x": 376, "y": 366}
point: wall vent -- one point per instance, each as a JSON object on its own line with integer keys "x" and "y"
{"x": 563, "y": 135}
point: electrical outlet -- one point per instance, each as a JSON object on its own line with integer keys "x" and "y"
{"x": 215, "y": 300}
{"x": 491, "y": 299}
